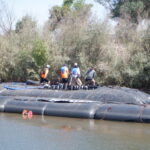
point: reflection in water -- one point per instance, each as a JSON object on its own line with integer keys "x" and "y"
{"x": 59, "y": 133}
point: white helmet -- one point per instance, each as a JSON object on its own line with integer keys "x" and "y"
{"x": 75, "y": 64}
{"x": 48, "y": 66}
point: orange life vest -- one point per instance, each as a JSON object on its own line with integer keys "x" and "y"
{"x": 64, "y": 72}
{"x": 44, "y": 73}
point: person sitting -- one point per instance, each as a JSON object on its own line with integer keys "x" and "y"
{"x": 44, "y": 74}
{"x": 64, "y": 74}
{"x": 75, "y": 75}
{"x": 90, "y": 75}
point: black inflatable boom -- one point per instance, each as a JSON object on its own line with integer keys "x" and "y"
{"x": 117, "y": 104}
{"x": 76, "y": 108}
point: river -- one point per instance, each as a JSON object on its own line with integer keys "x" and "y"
{"x": 56, "y": 133}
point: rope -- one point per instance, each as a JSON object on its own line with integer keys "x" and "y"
{"x": 105, "y": 112}
{"x": 141, "y": 112}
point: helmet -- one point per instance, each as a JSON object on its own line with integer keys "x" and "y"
{"x": 48, "y": 66}
{"x": 75, "y": 64}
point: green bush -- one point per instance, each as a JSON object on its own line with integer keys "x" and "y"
{"x": 40, "y": 53}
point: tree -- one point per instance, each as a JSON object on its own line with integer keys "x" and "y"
{"x": 26, "y": 32}
{"x": 39, "y": 53}
{"x": 128, "y": 9}
{"x": 58, "y": 13}
{"x": 25, "y": 22}
{"x": 6, "y": 18}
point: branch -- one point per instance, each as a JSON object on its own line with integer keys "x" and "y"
{"x": 6, "y": 18}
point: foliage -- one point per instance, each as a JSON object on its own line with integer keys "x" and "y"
{"x": 25, "y": 22}
{"x": 129, "y": 9}
{"x": 72, "y": 34}
{"x": 39, "y": 53}
{"x": 59, "y": 14}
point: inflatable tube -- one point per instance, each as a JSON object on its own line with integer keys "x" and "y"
{"x": 76, "y": 109}
{"x": 145, "y": 114}
{"x": 121, "y": 112}
{"x": 63, "y": 108}
{"x": 3, "y": 101}
{"x": 18, "y": 107}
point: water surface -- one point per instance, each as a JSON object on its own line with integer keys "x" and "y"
{"x": 57, "y": 133}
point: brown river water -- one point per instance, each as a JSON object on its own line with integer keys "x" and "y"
{"x": 57, "y": 133}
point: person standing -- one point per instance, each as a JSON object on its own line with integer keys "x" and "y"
{"x": 90, "y": 75}
{"x": 44, "y": 74}
{"x": 75, "y": 75}
{"x": 64, "y": 74}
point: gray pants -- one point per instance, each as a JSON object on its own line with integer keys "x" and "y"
{"x": 75, "y": 81}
